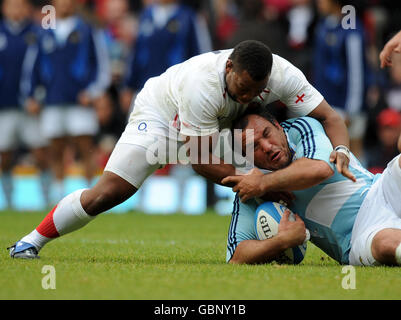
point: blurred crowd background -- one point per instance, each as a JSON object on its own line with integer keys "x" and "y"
{"x": 133, "y": 40}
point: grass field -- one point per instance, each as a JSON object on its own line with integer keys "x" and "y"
{"x": 137, "y": 256}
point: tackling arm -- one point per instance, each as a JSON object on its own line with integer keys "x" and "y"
{"x": 337, "y": 132}
{"x": 204, "y": 162}
{"x": 300, "y": 174}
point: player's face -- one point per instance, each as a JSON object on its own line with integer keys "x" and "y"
{"x": 240, "y": 86}
{"x": 271, "y": 149}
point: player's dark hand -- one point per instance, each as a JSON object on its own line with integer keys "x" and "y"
{"x": 341, "y": 161}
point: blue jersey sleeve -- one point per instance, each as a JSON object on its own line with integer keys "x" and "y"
{"x": 242, "y": 226}
{"x": 308, "y": 139}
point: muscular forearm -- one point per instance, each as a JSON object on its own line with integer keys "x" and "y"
{"x": 336, "y": 130}
{"x": 333, "y": 124}
{"x": 206, "y": 163}
{"x": 258, "y": 251}
{"x": 214, "y": 172}
{"x": 301, "y": 174}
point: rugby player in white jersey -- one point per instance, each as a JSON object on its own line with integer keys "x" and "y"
{"x": 194, "y": 100}
{"x": 354, "y": 223}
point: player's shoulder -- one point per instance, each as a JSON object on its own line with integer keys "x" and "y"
{"x": 302, "y": 125}
{"x": 283, "y": 75}
{"x": 204, "y": 72}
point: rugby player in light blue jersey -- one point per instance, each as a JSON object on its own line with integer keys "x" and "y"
{"x": 357, "y": 223}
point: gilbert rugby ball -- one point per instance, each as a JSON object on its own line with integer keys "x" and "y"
{"x": 267, "y": 220}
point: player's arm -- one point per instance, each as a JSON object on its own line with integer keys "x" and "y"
{"x": 303, "y": 99}
{"x": 299, "y": 175}
{"x": 336, "y": 130}
{"x": 204, "y": 162}
{"x": 215, "y": 172}
{"x": 198, "y": 115}
{"x": 290, "y": 234}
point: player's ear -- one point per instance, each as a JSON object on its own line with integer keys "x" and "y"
{"x": 277, "y": 125}
{"x": 229, "y": 65}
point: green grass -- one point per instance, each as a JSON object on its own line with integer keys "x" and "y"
{"x": 137, "y": 256}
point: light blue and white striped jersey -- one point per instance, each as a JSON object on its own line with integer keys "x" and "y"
{"x": 330, "y": 208}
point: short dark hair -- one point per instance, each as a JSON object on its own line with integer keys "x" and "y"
{"x": 254, "y": 57}
{"x": 242, "y": 121}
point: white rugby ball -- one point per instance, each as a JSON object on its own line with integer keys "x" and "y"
{"x": 267, "y": 220}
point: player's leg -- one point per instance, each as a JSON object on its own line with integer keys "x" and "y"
{"x": 74, "y": 212}
{"x": 110, "y": 191}
{"x": 392, "y": 184}
{"x": 386, "y": 246}
{"x": 125, "y": 172}
{"x": 376, "y": 234}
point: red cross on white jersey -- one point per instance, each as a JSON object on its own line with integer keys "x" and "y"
{"x": 300, "y": 98}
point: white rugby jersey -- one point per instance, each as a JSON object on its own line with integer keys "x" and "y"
{"x": 192, "y": 96}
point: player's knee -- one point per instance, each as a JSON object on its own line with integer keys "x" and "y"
{"x": 106, "y": 195}
{"x": 384, "y": 246}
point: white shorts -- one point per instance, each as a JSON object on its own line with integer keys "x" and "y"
{"x": 18, "y": 127}
{"x": 380, "y": 210}
{"x": 63, "y": 121}
{"x": 142, "y": 149}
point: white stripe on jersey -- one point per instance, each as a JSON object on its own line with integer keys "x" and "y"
{"x": 330, "y": 200}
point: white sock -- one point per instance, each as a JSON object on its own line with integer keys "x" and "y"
{"x": 36, "y": 239}
{"x": 66, "y": 217}
{"x": 69, "y": 215}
